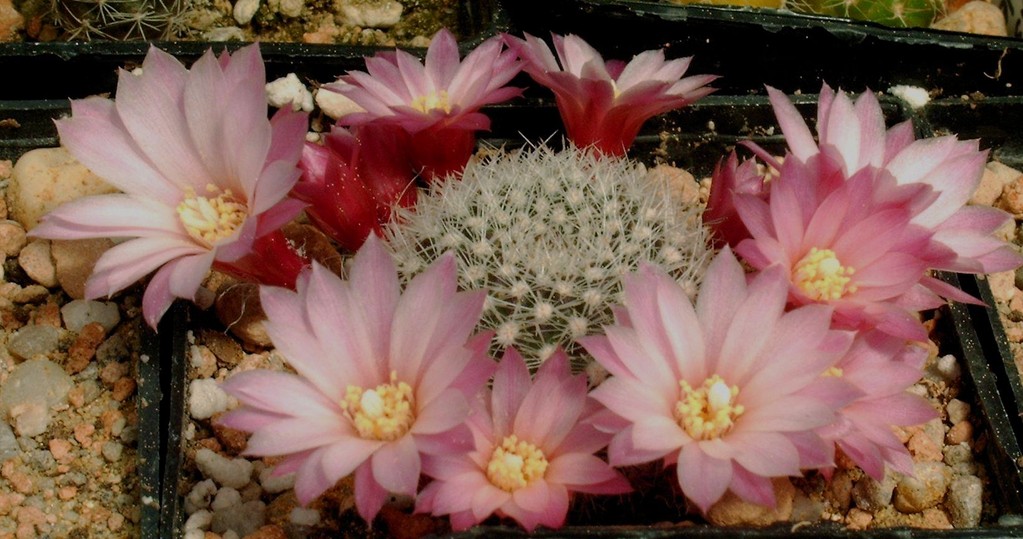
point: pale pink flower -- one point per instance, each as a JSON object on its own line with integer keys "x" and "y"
{"x": 438, "y": 102}
{"x": 383, "y": 377}
{"x": 883, "y": 368}
{"x": 604, "y": 104}
{"x": 842, "y": 248}
{"x": 731, "y": 391}
{"x": 534, "y": 446}
{"x": 853, "y": 137}
{"x": 204, "y": 177}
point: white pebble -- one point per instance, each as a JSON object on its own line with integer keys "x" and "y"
{"x": 914, "y": 96}
{"x": 226, "y": 497}
{"x": 289, "y": 91}
{"x": 195, "y": 534}
{"x": 79, "y": 312}
{"x": 199, "y": 497}
{"x": 234, "y": 473}
{"x": 244, "y": 10}
{"x": 383, "y": 14}
{"x": 304, "y": 517}
{"x": 957, "y": 411}
{"x": 334, "y": 104}
{"x": 276, "y": 483}
{"x": 948, "y": 368}
{"x": 205, "y": 398}
{"x": 199, "y": 520}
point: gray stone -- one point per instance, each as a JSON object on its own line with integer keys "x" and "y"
{"x": 960, "y": 458}
{"x": 924, "y": 489}
{"x": 871, "y": 495}
{"x": 381, "y": 14}
{"x": 9, "y": 447}
{"x": 77, "y": 313}
{"x": 242, "y": 519}
{"x": 112, "y": 451}
{"x": 34, "y": 341}
{"x": 964, "y": 501}
{"x": 30, "y": 391}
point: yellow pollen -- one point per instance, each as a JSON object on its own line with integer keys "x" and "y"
{"x": 834, "y": 372}
{"x": 709, "y": 411}
{"x": 211, "y": 218}
{"x": 514, "y": 464}
{"x": 432, "y": 101}
{"x": 384, "y": 413}
{"x": 822, "y": 277}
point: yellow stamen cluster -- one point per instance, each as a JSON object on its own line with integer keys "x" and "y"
{"x": 515, "y": 463}
{"x": 384, "y": 413}
{"x": 211, "y": 218}
{"x": 709, "y": 411}
{"x": 822, "y": 277}
{"x": 432, "y": 101}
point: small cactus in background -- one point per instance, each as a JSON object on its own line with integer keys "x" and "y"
{"x": 897, "y": 13}
{"x": 118, "y": 19}
{"x": 550, "y": 235}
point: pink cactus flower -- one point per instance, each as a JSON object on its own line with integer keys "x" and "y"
{"x": 203, "y": 173}
{"x": 354, "y": 180}
{"x": 437, "y": 102}
{"x": 534, "y": 448}
{"x": 731, "y": 391}
{"x": 383, "y": 377}
{"x": 853, "y": 137}
{"x": 604, "y": 104}
{"x": 840, "y": 248}
{"x": 883, "y": 368}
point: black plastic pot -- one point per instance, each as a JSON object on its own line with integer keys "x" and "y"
{"x": 751, "y": 47}
{"x": 695, "y": 138}
{"x": 63, "y": 70}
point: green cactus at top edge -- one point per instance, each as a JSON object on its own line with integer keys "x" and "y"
{"x": 896, "y": 13}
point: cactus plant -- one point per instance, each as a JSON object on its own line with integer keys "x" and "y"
{"x": 550, "y": 234}
{"x": 897, "y": 13}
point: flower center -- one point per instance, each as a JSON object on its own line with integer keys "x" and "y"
{"x": 821, "y": 276}
{"x": 211, "y": 218}
{"x": 708, "y": 411}
{"x": 515, "y": 463}
{"x": 383, "y": 413}
{"x": 835, "y": 372}
{"x": 432, "y": 101}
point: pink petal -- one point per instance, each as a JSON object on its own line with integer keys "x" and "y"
{"x": 396, "y": 466}
{"x": 585, "y": 473}
{"x": 310, "y": 482}
{"x": 296, "y": 434}
{"x": 797, "y": 134}
{"x": 511, "y": 383}
{"x": 751, "y": 487}
{"x": 280, "y": 393}
{"x": 341, "y": 458}
{"x": 442, "y": 414}
{"x": 702, "y": 478}
{"x": 96, "y": 136}
{"x": 369, "y": 495}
